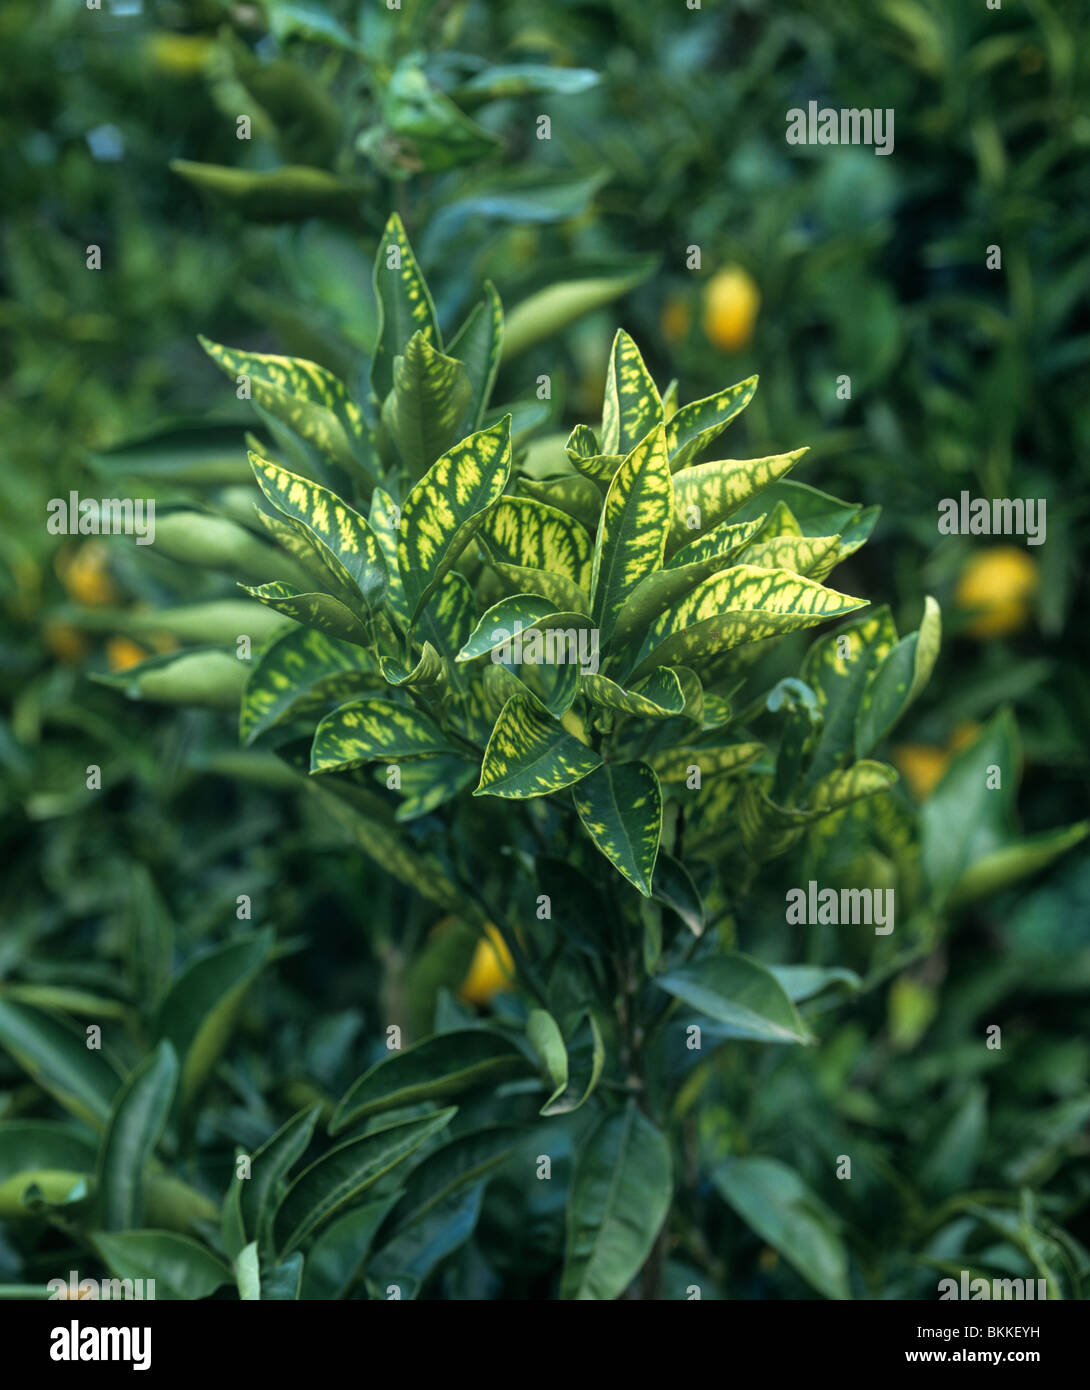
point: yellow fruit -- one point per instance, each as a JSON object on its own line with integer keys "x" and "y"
{"x": 182, "y": 55}
{"x": 65, "y": 642}
{"x": 964, "y": 733}
{"x": 123, "y": 652}
{"x": 997, "y": 586}
{"x": 676, "y": 319}
{"x": 85, "y": 574}
{"x": 731, "y": 301}
{"x": 490, "y": 971}
{"x": 921, "y": 765}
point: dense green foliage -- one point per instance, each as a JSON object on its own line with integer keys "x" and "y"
{"x": 362, "y": 796}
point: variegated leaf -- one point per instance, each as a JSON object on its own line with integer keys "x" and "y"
{"x": 741, "y": 605}
{"x": 722, "y": 542}
{"x": 696, "y": 426}
{"x": 633, "y": 528}
{"x": 301, "y": 671}
{"x": 364, "y": 731}
{"x": 837, "y": 668}
{"x": 529, "y": 754}
{"x": 576, "y": 496}
{"x": 448, "y": 616}
{"x": 586, "y": 458}
{"x": 385, "y": 523}
{"x": 903, "y": 673}
{"x": 658, "y": 697}
{"x": 520, "y": 613}
{"x": 430, "y": 782}
{"x": 620, "y": 805}
{"x": 447, "y": 506}
{"x": 769, "y": 830}
{"x": 709, "y": 492}
{"x": 520, "y": 531}
{"x": 424, "y": 411}
{"x": 673, "y": 764}
{"x": 426, "y": 674}
{"x": 632, "y": 407}
{"x": 812, "y": 556}
{"x": 663, "y": 589}
{"x": 320, "y": 611}
{"x": 345, "y": 541}
{"x": 477, "y": 345}
{"x": 562, "y": 594}
{"x": 304, "y": 396}
{"x": 405, "y": 305}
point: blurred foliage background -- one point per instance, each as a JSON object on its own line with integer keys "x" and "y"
{"x": 119, "y": 129}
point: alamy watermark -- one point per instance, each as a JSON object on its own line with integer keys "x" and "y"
{"x": 848, "y": 126}
{"x": 550, "y": 646}
{"x": 814, "y": 906}
{"x": 90, "y": 1289}
{"x": 979, "y": 1288}
{"x": 110, "y": 516}
{"x": 996, "y": 516}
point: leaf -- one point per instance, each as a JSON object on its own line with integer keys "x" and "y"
{"x": 674, "y": 886}
{"x": 291, "y": 193}
{"x": 632, "y": 405}
{"x": 525, "y": 79}
{"x": 576, "y": 497}
{"x": 261, "y": 1192}
{"x": 801, "y": 982}
{"x": 336, "y": 1260}
{"x": 431, "y": 133}
{"x": 529, "y": 754}
{"x": 620, "y": 1194}
{"x": 342, "y": 540}
{"x": 385, "y": 520}
{"x": 903, "y": 673}
{"x": 673, "y": 764}
{"x": 304, "y": 396}
{"x": 632, "y": 531}
{"x": 203, "y": 676}
{"x": 659, "y": 696}
{"x": 56, "y": 1057}
{"x": 964, "y": 819}
{"x": 198, "y": 1013}
{"x": 466, "y": 1159}
{"x": 419, "y": 1247}
{"x": 839, "y": 681}
{"x": 438, "y": 1067}
{"x": 741, "y": 994}
{"x": 772, "y": 1199}
{"x": 136, "y": 1124}
{"x": 518, "y": 613}
{"x": 520, "y": 531}
{"x": 299, "y": 672}
{"x": 344, "y": 1172}
{"x": 427, "y": 405}
{"x": 284, "y": 1281}
{"x": 447, "y": 506}
{"x": 708, "y": 493}
{"x": 321, "y": 612}
{"x": 744, "y": 604}
{"x": 999, "y": 869}
{"x": 181, "y": 1268}
{"x": 585, "y": 1060}
{"x": 405, "y": 306}
{"x": 477, "y": 345}
{"x": 813, "y": 556}
{"x": 660, "y": 591}
{"x": 620, "y": 806}
{"x": 248, "y": 1274}
{"x": 549, "y": 310}
{"x": 544, "y": 1036}
{"x": 697, "y": 425}
{"x": 370, "y": 729}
